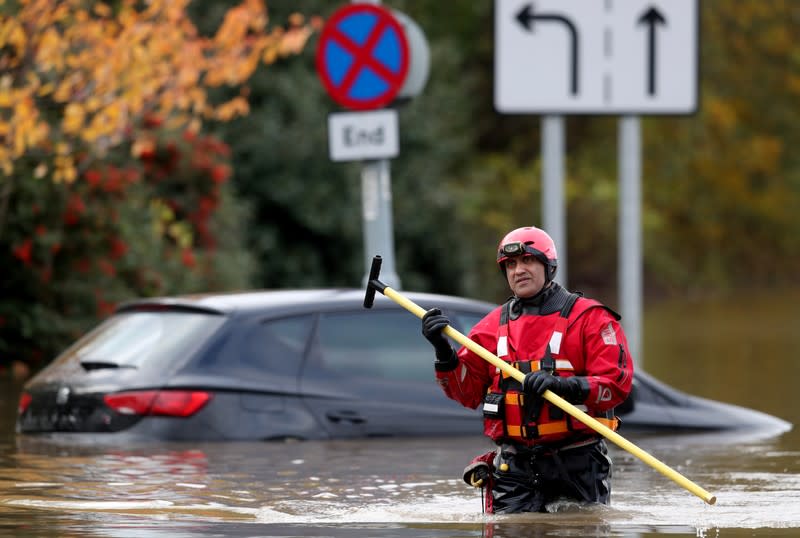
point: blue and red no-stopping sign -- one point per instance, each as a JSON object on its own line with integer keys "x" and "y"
{"x": 363, "y": 56}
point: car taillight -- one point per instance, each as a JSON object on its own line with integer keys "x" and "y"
{"x": 24, "y": 402}
{"x": 165, "y": 403}
{"x": 179, "y": 403}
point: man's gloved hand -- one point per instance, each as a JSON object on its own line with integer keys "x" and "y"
{"x": 433, "y": 323}
{"x": 476, "y": 474}
{"x": 572, "y": 388}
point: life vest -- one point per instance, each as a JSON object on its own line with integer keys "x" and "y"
{"x": 510, "y": 415}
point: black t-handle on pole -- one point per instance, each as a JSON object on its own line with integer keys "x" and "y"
{"x": 373, "y": 284}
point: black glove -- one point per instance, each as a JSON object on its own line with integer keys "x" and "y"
{"x": 574, "y": 389}
{"x": 476, "y": 474}
{"x": 433, "y": 322}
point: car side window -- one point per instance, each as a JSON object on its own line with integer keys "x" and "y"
{"x": 466, "y": 320}
{"x": 279, "y": 344}
{"x": 268, "y": 348}
{"x": 381, "y": 344}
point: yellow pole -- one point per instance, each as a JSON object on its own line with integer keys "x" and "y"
{"x": 560, "y": 402}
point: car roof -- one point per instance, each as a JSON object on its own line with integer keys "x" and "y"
{"x": 280, "y": 299}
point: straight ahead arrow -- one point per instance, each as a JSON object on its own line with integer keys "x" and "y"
{"x": 526, "y": 19}
{"x": 651, "y": 18}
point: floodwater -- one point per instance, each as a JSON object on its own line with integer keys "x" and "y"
{"x": 743, "y": 354}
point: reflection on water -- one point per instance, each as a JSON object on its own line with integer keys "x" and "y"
{"x": 407, "y": 484}
{"x": 412, "y": 487}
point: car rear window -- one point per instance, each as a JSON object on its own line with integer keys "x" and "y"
{"x": 138, "y": 339}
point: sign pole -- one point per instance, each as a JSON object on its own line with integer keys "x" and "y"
{"x": 376, "y": 195}
{"x": 629, "y": 250}
{"x": 363, "y": 61}
{"x": 627, "y": 58}
{"x": 553, "y": 207}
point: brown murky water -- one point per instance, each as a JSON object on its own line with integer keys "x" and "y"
{"x": 745, "y": 355}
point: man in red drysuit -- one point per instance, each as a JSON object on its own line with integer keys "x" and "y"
{"x": 563, "y": 342}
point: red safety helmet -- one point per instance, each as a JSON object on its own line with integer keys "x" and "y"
{"x": 529, "y": 240}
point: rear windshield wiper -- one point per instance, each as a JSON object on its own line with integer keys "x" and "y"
{"x": 98, "y": 365}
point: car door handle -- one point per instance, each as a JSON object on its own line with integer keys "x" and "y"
{"x": 345, "y": 416}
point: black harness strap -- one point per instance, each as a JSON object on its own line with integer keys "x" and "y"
{"x": 548, "y": 363}
{"x": 569, "y": 304}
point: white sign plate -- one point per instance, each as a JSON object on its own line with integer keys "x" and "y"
{"x": 596, "y": 56}
{"x": 355, "y": 136}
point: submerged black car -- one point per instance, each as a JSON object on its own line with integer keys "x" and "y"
{"x": 290, "y": 364}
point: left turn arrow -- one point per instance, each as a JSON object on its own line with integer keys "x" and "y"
{"x": 526, "y": 18}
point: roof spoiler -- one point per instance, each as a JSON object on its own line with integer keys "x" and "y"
{"x": 138, "y": 306}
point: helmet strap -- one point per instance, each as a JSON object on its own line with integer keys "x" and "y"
{"x": 549, "y": 273}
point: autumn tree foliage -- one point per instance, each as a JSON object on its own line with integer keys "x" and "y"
{"x": 79, "y": 77}
{"x": 109, "y": 187}
{"x": 726, "y": 183}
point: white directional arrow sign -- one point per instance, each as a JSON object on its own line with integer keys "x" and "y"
{"x": 596, "y": 57}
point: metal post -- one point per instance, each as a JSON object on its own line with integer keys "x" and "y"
{"x": 629, "y": 250}
{"x": 376, "y": 193}
{"x": 553, "y": 205}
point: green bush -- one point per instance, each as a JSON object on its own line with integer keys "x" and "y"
{"x": 163, "y": 223}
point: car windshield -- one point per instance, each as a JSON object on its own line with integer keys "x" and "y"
{"x": 135, "y": 339}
